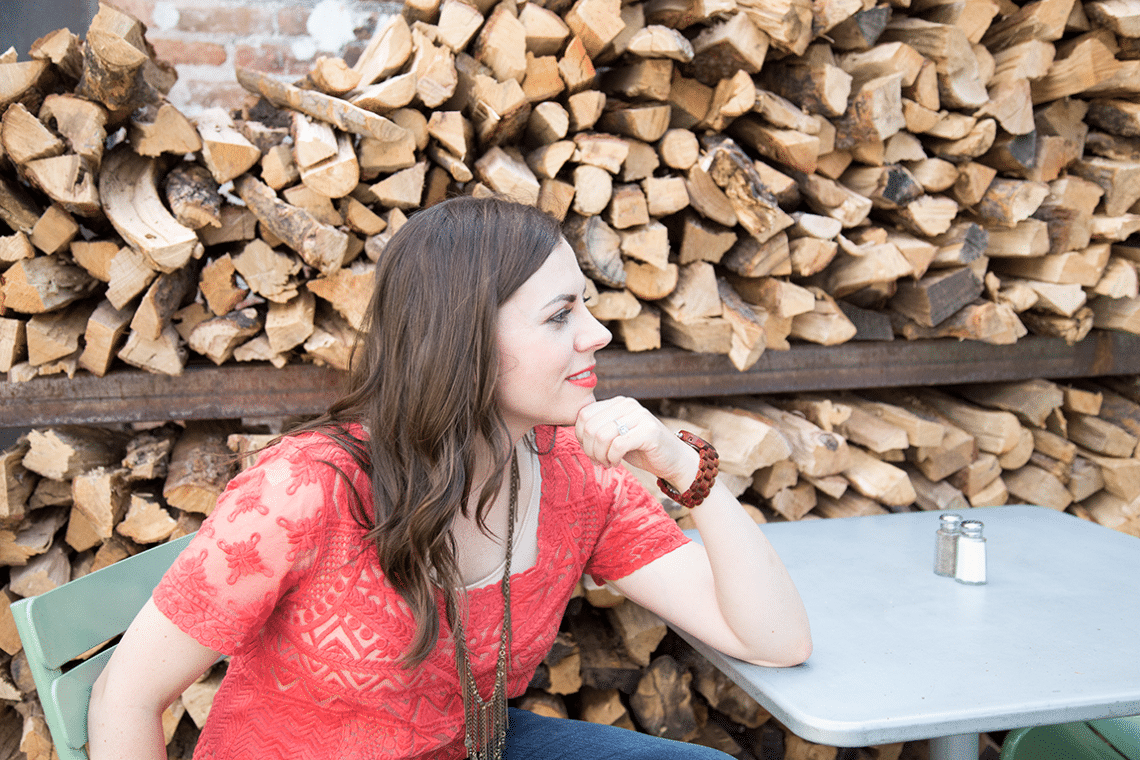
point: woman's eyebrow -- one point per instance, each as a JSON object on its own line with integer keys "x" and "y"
{"x": 559, "y": 299}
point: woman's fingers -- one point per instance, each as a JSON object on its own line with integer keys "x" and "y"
{"x": 609, "y": 430}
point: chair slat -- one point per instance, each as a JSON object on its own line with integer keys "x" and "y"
{"x": 92, "y": 609}
{"x": 71, "y": 693}
{"x": 1122, "y": 733}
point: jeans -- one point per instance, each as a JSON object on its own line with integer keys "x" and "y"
{"x": 537, "y": 737}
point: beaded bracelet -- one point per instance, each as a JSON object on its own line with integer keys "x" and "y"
{"x": 706, "y": 473}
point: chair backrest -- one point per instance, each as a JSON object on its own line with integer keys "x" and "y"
{"x": 1122, "y": 733}
{"x": 62, "y": 624}
{"x": 1112, "y": 739}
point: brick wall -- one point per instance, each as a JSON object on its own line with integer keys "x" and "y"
{"x": 204, "y": 39}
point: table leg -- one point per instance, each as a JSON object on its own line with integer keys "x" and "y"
{"x": 958, "y": 747}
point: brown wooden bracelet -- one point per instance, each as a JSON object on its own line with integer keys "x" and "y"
{"x": 706, "y": 473}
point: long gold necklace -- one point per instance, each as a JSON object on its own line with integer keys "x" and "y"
{"x": 485, "y": 722}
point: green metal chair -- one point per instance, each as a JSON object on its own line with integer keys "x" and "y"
{"x": 58, "y": 626}
{"x": 1108, "y": 739}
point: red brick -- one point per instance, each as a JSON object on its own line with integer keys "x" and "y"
{"x": 272, "y": 59}
{"x": 232, "y": 21}
{"x": 291, "y": 22}
{"x": 182, "y": 51}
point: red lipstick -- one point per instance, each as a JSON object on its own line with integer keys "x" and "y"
{"x": 584, "y": 379}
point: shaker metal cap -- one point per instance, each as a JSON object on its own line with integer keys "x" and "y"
{"x": 972, "y": 528}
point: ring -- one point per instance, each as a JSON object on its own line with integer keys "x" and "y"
{"x": 622, "y": 429}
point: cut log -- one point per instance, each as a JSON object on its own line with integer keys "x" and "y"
{"x": 25, "y": 138}
{"x": 44, "y": 283}
{"x": 847, "y": 274}
{"x": 193, "y": 196}
{"x": 879, "y": 480}
{"x": 225, "y": 151}
{"x": 826, "y": 324}
{"x": 62, "y": 453}
{"x": 815, "y": 451}
{"x": 160, "y": 128}
{"x": 219, "y": 285}
{"x": 146, "y": 521}
{"x": 726, "y": 47}
{"x": 1100, "y": 436}
{"x": 662, "y": 702}
{"x": 200, "y": 467}
{"x": 24, "y": 81}
{"x": 386, "y": 52}
{"x": 339, "y": 113}
{"x": 114, "y": 72}
{"x": 829, "y": 198}
{"x": 933, "y": 495}
{"x": 164, "y": 297}
{"x": 321, "y": 246}
{"x": 68, "y": 180}
{"x": 934, "y": 298}
{"x": 703, "y": 240}
{"x": 217, "y": 337}
{"x": 987, "y": 322}
{"x": 55, "y": 335}
{"x": 1033, "y": 485}
{"x": 165, "y": 355}
{"x": 129, "y": 192}
{"x": 54, "y": 231}
{"x": 336, "y": 176}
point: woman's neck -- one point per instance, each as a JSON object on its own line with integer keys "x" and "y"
{"x": 485, "y": 464}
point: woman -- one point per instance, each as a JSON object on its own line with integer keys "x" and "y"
{"x": 468, "y": 451}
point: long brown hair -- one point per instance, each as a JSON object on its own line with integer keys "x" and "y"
{"x": 423, "y": 382}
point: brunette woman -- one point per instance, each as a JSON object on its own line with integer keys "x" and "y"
{"x": 386, "y": 577}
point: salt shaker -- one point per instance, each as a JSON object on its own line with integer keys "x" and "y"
{"x": 946, "y": 545}
{"x": 970, "y": 566}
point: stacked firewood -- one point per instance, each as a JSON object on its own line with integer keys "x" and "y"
{"x": 732, "y": 175}
{"x": 79, "y": 498}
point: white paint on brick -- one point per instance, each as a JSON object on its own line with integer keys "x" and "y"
{"x": 303, "y": 48}
{"x": 165, "y": 15}
{"x": 330, "y": 25}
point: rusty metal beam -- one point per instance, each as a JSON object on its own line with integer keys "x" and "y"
{"x": 208, "y": 392}
{"x": 669, "y": 372}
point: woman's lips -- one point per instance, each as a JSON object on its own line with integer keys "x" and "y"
{"x": 584, "y": 379}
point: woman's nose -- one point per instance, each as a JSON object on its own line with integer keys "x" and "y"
{"x": 594, "y": 334}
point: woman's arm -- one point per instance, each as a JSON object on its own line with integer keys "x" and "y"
{"x": 734, "y": 592}
{"x": 149, "y": 669}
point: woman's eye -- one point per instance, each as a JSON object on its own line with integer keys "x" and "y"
{"x": 561, "y": 317}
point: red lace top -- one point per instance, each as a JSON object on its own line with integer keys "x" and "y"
{"x": 281, "y": 578}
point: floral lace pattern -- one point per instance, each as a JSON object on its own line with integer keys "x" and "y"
{"x": 280, "y": 577}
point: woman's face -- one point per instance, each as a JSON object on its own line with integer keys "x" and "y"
{"x": 547, "y": 339}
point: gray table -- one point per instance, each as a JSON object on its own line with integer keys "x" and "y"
{"x": 903, "y": 654}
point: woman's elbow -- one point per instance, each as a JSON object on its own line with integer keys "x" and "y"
{"x": 800, "y": 652}
{"x": 792, "y": 653}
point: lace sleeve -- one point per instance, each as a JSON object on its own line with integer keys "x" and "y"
{"x": 637, "y": 529}
{"x": 262, "y": 536}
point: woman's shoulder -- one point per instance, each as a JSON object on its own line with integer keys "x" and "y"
{"x": 338, "y": 445}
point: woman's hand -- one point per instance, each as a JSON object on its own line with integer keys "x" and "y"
{"x": 620, "y": 428}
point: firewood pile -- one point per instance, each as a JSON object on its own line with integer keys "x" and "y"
{"x": 79, "y": 498}
{"x": 732, "y": 175}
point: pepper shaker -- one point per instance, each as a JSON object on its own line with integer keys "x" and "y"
{"x": 970, "y": 567}
{"x": 946, "y": 545}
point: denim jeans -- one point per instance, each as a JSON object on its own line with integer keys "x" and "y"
{"x": 537, "y": 737}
